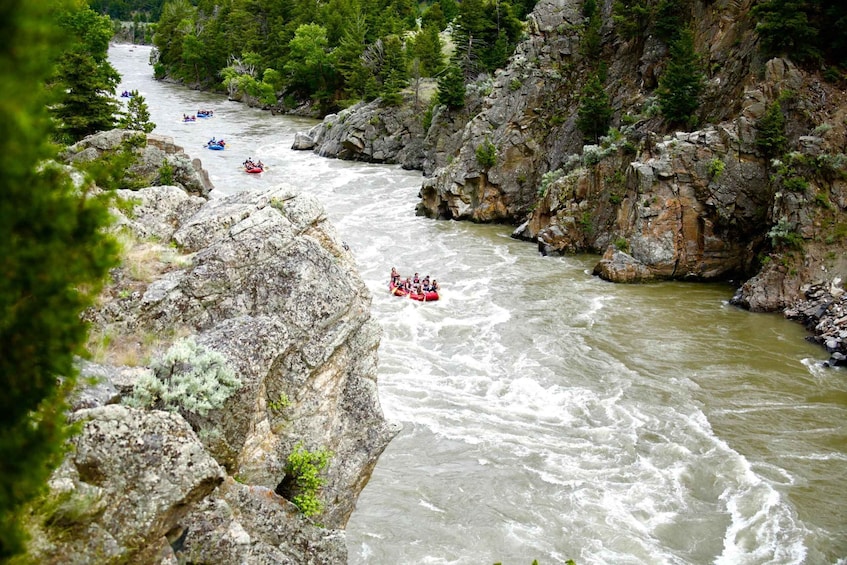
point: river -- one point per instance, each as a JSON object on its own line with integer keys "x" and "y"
{"x": 548, "y": 414}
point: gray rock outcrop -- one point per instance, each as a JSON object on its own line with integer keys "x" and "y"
{"x": 708, "y": 204}
{"x": 263, "y": 280}
{"x": 370, "y": 132}
{"x": 150, "y": 153}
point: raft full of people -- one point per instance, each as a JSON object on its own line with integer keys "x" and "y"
{"x": 252, "y": 166}
{"x": 414, "y": 287}
{"x": 216, "y": 144}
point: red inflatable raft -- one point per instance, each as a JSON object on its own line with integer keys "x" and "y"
{"x": 430, "y": 296}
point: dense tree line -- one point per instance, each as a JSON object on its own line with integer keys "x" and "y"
{"x": 125, "y": 10}
{"x": 334, "y": 52}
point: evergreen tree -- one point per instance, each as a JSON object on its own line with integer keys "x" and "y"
{"x": 85, "y": 81}
{"x": 347, "y": 57}
{"x": 682, "y": 83}
{"x": 451, "y": 87}
{"x": 52, "y": 256}
{"x": 595, "y": 112}
{"x": 137, "y": 116}
{"x": 393, "y": 73}
{"x": 434, "y": 17}
{"x": 426, "y": 47}
{"x": 770, "y": 134}
{"x": 784, "y": 30}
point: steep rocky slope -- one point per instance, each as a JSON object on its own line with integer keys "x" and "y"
{"x": 657, "y": 202}
{"x": 189, "y": 460}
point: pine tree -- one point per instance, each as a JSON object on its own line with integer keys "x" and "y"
{"x": 770, "y": 135}
{"x": 784, "y": 30}
{"x": 682, "y": 83}
{"x": 53, "y": 257}
{"x": 451, "y": 87}
{"x": 137, "y": 116}
{"x": 595, "y": 111}
{"x": 85, "y": 81}
{"x": 393, "y": 74}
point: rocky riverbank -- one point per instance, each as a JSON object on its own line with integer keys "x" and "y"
{"x": 656, "y": 203}
{"x": 235, "y": 337}
{"x": 824, "y": 313}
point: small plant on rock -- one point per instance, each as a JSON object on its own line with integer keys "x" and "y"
{"x": 486, "y": 154}
{"x": 302, "y": 482}
{"x": 716, "y": 168}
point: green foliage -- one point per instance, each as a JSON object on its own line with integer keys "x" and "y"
{"x": 795, "y": 184}
{"x": 111, "y": 171}
{"x": 427, "y": 116}
{"x": 279, "y": 403}
{"x": 716, "y": 168}
{"x": 822, "y": 200}
{"x": 682, "y": 83}
{"x": 391, "y": 72}
{"x": 671, "y": 18}
{"x": 309, "y": 68}
{"x": 485, "y": 34}
{"x": 770, "y": 131}
{"x": 631, "y": 17}
{"x": 783, "y": 235}
{"x": 784, "y": 30}
{"x": 188, "y": 377}
{"x": 586, "y": 223}
{"x": 85, "y": 81}
{"x": 427, "y": 48}
{"x": 302, "y": 471}
{"x": 137, "y": 116}
{"x": 621, "y": 244}
{"x": 451, "y": 87}
{"x": 547, "y": 179}
{"x": 486, "y": 154}
{"x": 595, "y": 111}
{"x": 166, "y": 174}
{"x": 591, "y": 39}
{"x": 53, "y": 256}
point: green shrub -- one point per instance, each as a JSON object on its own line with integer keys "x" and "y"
{"x": 547, "y": 179}
{"x": 621, "y": 244}
{"x": 796, "y": 184}
{"x": 302, "y": 478}
{"x": 111, "y": 170}
{"x": 279, "y": 403}
{"x": 782, "y": 235}
{"x": 716, "y": 168}
{"x": 166, "y": 174}
{"x": 595, "y": 110}
{"x": 189, "y": 377}
{"x": 486, "y": 154}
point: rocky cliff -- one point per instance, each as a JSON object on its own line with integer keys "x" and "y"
{"x": 187, "y": 457}
{"x": 658, "y": 203}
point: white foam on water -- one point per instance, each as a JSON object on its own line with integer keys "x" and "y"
{"x": 546, "y": 414}
{"x": 430, "y": 506}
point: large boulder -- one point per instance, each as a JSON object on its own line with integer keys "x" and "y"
{"x": 263, "y": 281}
{"x": 130, "y": 480}
{"x": 369, "y": 131}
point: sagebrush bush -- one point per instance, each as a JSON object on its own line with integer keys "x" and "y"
{"x": 189, "y": 377}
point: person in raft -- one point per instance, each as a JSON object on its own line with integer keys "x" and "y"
{"x": 414, "y": 284}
